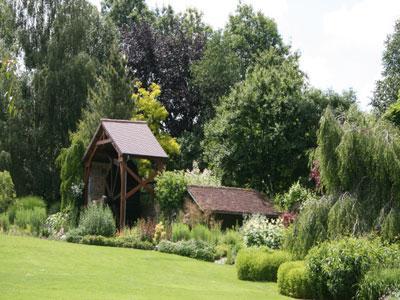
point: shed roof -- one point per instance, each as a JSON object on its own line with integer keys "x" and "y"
{"x": 130, "y": 137}
{"x": 229, "y": 200}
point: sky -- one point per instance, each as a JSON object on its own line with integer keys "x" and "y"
{"x": 340, "y": 41}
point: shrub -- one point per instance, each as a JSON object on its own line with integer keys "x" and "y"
{"x": 336, "y": 267}
{"x": 25, "y": 203}
{"x": 97, "y": 220}
{"x": 196, "y": 177}
{"x": 159, "y": 233}
{"x": 310, "y": 227}
{"x": 180, "y": 232}
{"x": 379, "y": 283}
{"x": 147, "y": 229}
{"x": 294, "y": 280}
{"x": 31, "y": 219}
{"x": 4, "y": 222}
{"x": 55, "y": 222}
{"x": 200, "y": 232}
{"x": 192, "y": 248}
{"x": 115, "y": 242}
{"x": 260, "y": 264}
{"x": 74, "y": 235}
{"x": 7, "y": 191}
{"x": 170, "y": 190}
{"x": 294, "y": 197}
{"x": 259, "y": 231}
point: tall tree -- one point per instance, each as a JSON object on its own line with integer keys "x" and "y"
{"x": 387, "y": 89}
{"x": 162, "y": 51}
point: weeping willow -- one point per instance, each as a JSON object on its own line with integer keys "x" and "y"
{"x": 359, "y": 155}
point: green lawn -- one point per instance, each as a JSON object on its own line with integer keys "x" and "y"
{"x": 31, "y": 268}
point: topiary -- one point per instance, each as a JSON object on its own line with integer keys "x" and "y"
{"x": 97, "y": 219}
{"x": 260, "y": 264}
{"x": 294, "y": 280}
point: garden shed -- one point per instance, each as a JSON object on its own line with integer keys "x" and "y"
{"x": 111, "y": 163}
{"x": 228, "y": 204}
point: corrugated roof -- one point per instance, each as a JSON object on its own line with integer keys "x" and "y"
{"x": 231, "y": 200}
{"x": 130, "y": 137}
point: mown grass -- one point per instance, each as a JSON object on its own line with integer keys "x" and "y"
{"x": 31, "y": 268}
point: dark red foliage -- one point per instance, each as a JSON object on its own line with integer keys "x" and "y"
{"x": 315, "y": 174}
{"x": 288, "y": 218}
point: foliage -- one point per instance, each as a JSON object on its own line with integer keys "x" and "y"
{"x": 7, "y": 191}
{"x": 116, "y": 242}
{"x": 123, "y": 12}
{"x": 259, "y": 264}
{"x": 162, "y": 50}
{"x": 294, "y": 280}
{"x": 258, "y": 230}
{"x": 336, "y": 267}
{"x": 309, "y": 228}
{"x": 391, "y": 226}
{"x": 148, "y": 108}
{"x": 359, "y": 154}
{"x": 204, "y": 178}
{"x": 4, "y": 222}
{"x": 241, "y": 138}
{"x": 25, "y": 203}
{"x": 192, "y": 248}
{"x": 57, "y": 223}
{"x": 180, "y": 231}
{"x": 379, "y": 283}
{"x": 146, "y": 229}
{"x": 31, "y": 219}
{"x": 294, "y": 197}
{"x": 170, "y": 190}
{"x": 344, "y": 218}
{"x": 387, "y": 88}
{"x": 201, "y": 232}
{"x": 159, "y": 233}
{"x": 97, "y": 220}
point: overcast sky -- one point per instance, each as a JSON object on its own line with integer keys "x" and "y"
{"x": 340, "y": 41}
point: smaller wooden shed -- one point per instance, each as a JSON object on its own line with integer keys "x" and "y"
{"x": 229, "y": 204}
{"x": 110, "y": 163}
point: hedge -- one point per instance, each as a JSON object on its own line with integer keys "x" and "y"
{"x": 260, "y": 264}
{"x": 294, "y": 280}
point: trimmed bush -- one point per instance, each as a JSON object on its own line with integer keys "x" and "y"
{"x": 7, "y": 191}
{"x": 180, "y": 232}
{"x": 294, "y": 280}
{"x": 31, "y": 219}
{"x": 379, "y": 283}
{"x": 116, "y": 242}
{"x": 192, "y": 248}
{"x": 260, "y": 264}
{"x": 337, "y": 267}
{"x": 97, "y": 220}
{"x": 4, "y": 222}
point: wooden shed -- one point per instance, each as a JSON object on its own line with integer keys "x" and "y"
{"x": 229, "y": 204}
{"x": 110, "y": 161}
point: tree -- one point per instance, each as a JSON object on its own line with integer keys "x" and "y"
{"x": 162, "y": 51}
{"x": 124, "y": 12}
{"x": 387, "y": 89}
{"x": 110, "y": 98}
{"x": 66, "y": 44}
{"x": 255, "y": 138}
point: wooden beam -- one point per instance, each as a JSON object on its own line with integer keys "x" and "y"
{"x": 102, "y": 142}
{"x": 122, "y": 207}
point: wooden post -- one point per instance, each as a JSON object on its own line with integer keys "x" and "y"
{"x": 122, "y": 207}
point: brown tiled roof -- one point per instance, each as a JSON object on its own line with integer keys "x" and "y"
{"x": 231, "y": 200}
{"x": 130, "y": 137}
